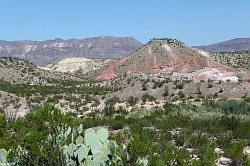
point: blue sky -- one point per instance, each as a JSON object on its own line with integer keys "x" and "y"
{"x": 195, "y": 22}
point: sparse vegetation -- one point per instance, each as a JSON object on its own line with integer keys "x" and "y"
{"x": 160, "y": 136}
{"x": 146, "y": 127}
{"x": 237, "y": 59}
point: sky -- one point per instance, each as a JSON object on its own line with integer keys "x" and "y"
{"x": 195, "y": 22}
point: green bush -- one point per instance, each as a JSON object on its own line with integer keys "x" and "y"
{"x": 166, "y": 92}
{"x": 208, "y": 156}
{"x": 142, "y": 135}
{"x": 146, "y": 97}
{"x": 235, "y": 152}
{"x": 179, "y": 84}
{"x": 132, "y": 100}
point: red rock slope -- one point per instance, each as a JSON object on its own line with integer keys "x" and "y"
{"x": 162, "y": 56}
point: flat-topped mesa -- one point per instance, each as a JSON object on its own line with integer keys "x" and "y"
{"x": 52, "y": 51}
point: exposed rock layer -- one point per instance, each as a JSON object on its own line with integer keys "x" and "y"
{"x": 168, "y": 56}
{"x": 52, "y": 51}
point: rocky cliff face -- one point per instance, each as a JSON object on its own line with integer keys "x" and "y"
{"x": 52, "y": 51}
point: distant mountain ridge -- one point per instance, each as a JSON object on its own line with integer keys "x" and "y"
{"x": 238, "y": 44}
{"x": 52, "y": 51}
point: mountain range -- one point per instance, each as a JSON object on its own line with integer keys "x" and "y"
{"x": 52, "y": 51}
{"x": 238, "y": 44}
{"x": 102, "y": 47}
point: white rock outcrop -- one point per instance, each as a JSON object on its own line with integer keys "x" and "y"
{"x": 72, "y": 65}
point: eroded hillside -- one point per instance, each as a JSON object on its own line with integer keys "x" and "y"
{"x": 163, "y": 57}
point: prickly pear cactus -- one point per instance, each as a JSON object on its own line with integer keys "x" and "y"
{"x": 3, "y": 156}
{"x": 76, "y": 146}
{"x": 91, "y": 149}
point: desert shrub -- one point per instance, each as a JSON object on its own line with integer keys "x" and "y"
{"x": 180, "y": 140}
{"x": 156, "y": 160}
{"x": 215, "y": 95}
{"x": 166, "y": 91}
{"x": 109, "y": 106}
{"x": 198, "y": 141}
{"x": 209, "y": 83}
{"x": 165, "y": 136}
{"x": 230, "y": 123}
{"x": 233, "y": 106}
{"x": 158, "y": 84}
{"x": 235, "y": 152}
{"x": 224, "y": 139}
{"x": 132, "y": 100}
{"x": 179, "y": 84}
{"x": 144, "y": 86}
{"x": 207, "y": 157}
{"x": 221, "y": 90}
{"x": 181, "y": 94}
{"x": 112, "y": 101}
{"x": 53, "y": 100}
{"x": 198, "y": 88}
{"x": 247, "y": 99}
{"x": 109, "y": 110}
{"x": 146, "y": 97}
{"x": 117, "y": 123}
{"x": 141, "y": 147}
{"x": 3, "y": 123}
{"x": 176, "y": 156}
